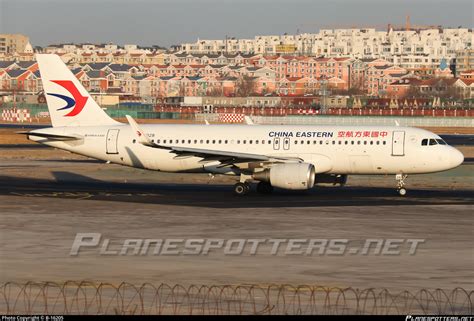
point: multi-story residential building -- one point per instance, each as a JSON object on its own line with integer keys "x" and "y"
{"x": 464, "y": 61}
{"x": 410, "y": 49}
{"x": 14, "y": 43}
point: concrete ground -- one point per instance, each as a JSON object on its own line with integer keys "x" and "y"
{"x": 48, "y": 196}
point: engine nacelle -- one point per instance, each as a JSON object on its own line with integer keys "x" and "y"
{"x": 295, "y": 176}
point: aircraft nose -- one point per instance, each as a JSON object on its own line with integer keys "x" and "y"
{"x": 457, "y": 158}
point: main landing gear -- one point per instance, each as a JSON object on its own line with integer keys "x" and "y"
{"x": 243, "y": 187}
{"x": 401, "y": 184}
{"x": 240, "y": 189}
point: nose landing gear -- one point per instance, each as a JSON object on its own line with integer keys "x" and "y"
{"x": 401, "y": 184}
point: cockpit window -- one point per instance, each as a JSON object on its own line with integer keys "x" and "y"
{"x": 432, "y": 141}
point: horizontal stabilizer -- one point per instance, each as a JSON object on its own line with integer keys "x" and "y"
{"x": 52, "y": 136}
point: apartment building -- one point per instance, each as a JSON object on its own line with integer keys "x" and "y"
{"x": 464, "y": 61}
{"x": 14, "y": 43}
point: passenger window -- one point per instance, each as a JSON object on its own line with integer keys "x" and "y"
{"x": 384, "y": 142}
{"x": 220, "y": 141}
{"x": 296, "y": 142}
{"x": 195, "y": 141}
{"x": 225, "y": 141}
{"x": 308, "y": 142}
{"x": 158, "y": 141}
{"x": 202, "y": 141}
{"x": 238, "y": 141}
{"x": 164, "y": 141}
{"x": 245, "y": 141}
{"x": 213, "y": 141}
{"x": 424, "y": 142}
{"x": 250, "y": 141}
{"x": 256, "y": 142}
{"x": 371, "y": 142}
{"x": 378, "y": 143}
{"x": 358, "y": 142}
{"x": 183, "y": 141}
{"x": 365, "y": 142}
{"x": 207, "y": 141}
{"x": 189, "y": 141}
{"x": 352, "y": 142}
{"x": 346, "y": 142}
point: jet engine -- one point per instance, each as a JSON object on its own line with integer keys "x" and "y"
{"x": 294, "y": 176}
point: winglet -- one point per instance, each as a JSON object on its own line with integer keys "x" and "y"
{"x": 142, "y": 138}
{"x": 248, "y": 120}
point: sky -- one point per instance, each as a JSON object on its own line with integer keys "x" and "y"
{"x": 168, "y": 22}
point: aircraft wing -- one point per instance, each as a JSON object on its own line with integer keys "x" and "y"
{"x": 224, "y": 157}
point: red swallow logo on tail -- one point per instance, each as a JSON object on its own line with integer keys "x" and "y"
{"x": 77, "y": 101}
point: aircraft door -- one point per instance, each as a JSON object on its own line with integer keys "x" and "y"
{"x": 112, "y": 141}
{"x": 398, "y": 143}
{"x": 276, "y": 143}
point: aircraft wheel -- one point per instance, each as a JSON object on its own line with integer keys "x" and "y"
{"x": 264, "y": 188}
{"x": 402, "y": 191}
{"x": 240, "y": 189}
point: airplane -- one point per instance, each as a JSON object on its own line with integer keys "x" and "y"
{"x": 282, "y": 156}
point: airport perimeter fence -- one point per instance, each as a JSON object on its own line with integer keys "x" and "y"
{"x": 147, "y": 299}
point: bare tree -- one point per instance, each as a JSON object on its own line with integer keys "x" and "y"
{"x": 452, "y": 92}
{"x": 214, "y": 92}
{"x": 245, "y": 86}
{"x": 414, "y": 92}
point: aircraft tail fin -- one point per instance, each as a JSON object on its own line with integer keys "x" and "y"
{"x": 69, "y": 103}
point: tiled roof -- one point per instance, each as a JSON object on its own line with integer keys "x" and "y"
{"x": 97, "y": 74}
{"x": 15, "y": 73}
{"x": 26, "y": 64}
{"x": 6, "y": 64}
{"x": 98, "y": 66}
{"x": 120, "y": 67}
{"x": 406, "y": 82}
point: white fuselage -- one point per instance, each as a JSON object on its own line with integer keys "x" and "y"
{"x": 331, "y": 149}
